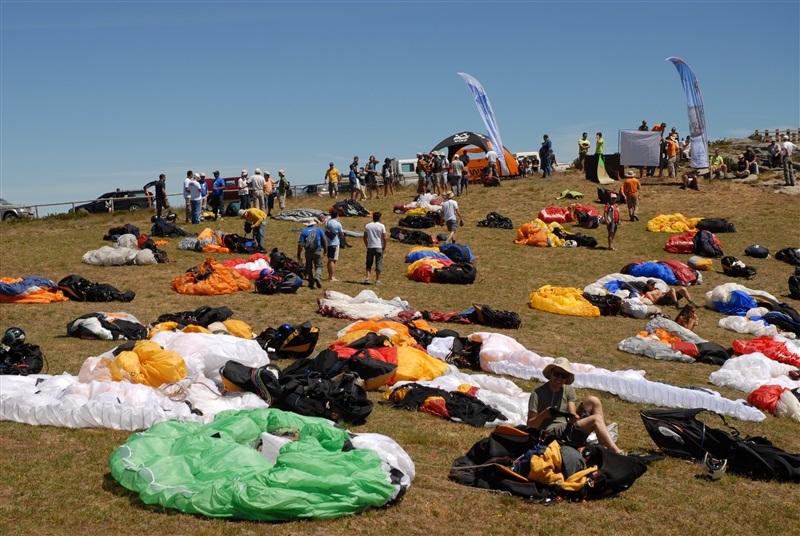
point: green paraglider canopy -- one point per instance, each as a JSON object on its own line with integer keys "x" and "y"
{"x": 217, "y": 470}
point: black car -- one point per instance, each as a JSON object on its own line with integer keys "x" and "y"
{"x": 119, "y": 200}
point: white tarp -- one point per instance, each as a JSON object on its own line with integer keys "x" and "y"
{"x": 639, "y": 148}
{"x": 65, "y": 400}
{"x": 501, "y": 354}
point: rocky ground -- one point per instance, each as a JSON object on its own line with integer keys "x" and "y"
{"x": 768, "y": 178}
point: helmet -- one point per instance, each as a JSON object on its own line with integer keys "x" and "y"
{"x": 14, "y": 337}
{"x": 714, "y": 468}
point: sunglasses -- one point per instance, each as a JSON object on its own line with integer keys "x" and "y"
{"x": 560, "y": 375}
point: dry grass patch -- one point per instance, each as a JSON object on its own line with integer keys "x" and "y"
{"x": 56, "y": 481}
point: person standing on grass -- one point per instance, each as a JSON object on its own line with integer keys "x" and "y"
{"x": 611, "y": 215}
{"x": 786, "y": 156}
{"x": 491, "y": 157}
{"x": 355, "y": 186}
{"x": 583, "y": 149}
{"x": 257, "y": 183}
{"x": 244, "y": 191}
{"x": 195, "y": 198}
{"x": 630, "y": 189}
{"x": 203, "y": 192}
{"x": 372, "y": 177}
{"x": 551, "y": 407}
{"x": 283, "y": 189}
{"x": 186, "y": 196}
{"x": 271, "y": 192}
{"x": 217, "y": 195}
{"x": 673, "y": 150}
{"x": 375, "y": 240}
{"x": 451, "y": 216}
{"x": 333, "y": 233}
{"x": 312, "y": 242}
{"x": 456, "y": 172}
{"x": 332, "y": 180}
{"x": 544, "y": 150}
{"x": 161, "y": 195}
{"x": 388, "y": 180}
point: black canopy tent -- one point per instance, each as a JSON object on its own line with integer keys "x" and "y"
{"x": 456, "y": 142}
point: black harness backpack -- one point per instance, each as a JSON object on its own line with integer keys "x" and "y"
{"x": 460, "y": 273}
{"x": 733, "y": 267}
{"x": 679, "y": 433}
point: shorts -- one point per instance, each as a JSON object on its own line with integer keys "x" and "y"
{"x": 438, "y": 179}
{"x": 376, "y": 255}
{"x": 632, "y": 201}
{"x": 612, "y": 227}
{"x": 452, "y": 226}
{"x": 333, "y": 253}
{"x": 557, "y": 429}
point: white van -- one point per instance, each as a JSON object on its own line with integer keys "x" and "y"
{"x": 405, "y": 170}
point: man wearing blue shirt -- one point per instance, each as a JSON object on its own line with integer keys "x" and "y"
{"x": 312, "y": 242}
{"x": 217, "y": 195}
{"x": 333, "y": 232}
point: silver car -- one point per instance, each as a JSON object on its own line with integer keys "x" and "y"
{"x": 10, "y": 211}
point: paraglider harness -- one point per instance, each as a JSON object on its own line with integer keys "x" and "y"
{"x": 19, "y": 358}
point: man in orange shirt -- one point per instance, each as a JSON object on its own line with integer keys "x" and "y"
{"x": 630, "y": 189}
{"x": 673, "y": 149}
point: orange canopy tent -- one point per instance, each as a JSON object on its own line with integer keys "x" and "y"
{"x": 472, "y": 142}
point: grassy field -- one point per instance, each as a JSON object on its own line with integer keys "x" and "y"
{"x": 57, "y": 481}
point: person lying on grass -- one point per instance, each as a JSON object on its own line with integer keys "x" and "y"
{"x": 552, "y": 408}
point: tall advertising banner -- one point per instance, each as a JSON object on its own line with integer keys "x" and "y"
{"x": 487, "y": 114}
{"x": 697, "y": 117}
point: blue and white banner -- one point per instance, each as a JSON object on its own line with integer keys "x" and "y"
{"x": 487, "y": 114}
{"x": 697, "y": 116}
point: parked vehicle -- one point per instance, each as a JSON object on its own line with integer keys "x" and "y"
{"x": 119, "y": 200}
{"x": 10, "y": 211}
{"x": 231, "y": 190}
{"x": 312, "y": 190}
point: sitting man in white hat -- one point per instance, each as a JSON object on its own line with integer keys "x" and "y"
{"x": 552, "y": 407}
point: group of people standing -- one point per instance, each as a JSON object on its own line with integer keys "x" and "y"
{"x": 316, "y": 243}
{"x": 256, "y": 191}
{"x": 363, "y": 181}
{"x": 438, "y": 176}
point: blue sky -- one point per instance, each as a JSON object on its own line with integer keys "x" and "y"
{"x": 99, "y": 95}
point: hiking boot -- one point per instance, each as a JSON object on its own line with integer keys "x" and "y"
{"x": 318, "y": 282}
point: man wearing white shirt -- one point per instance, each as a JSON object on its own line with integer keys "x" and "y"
{"x": 186, "y": 181}
{"x": 195, "y": 197}
{"x": 491, "y": 156}
{"x": 786, "y": 155}
{"x": 451, "y": 215}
